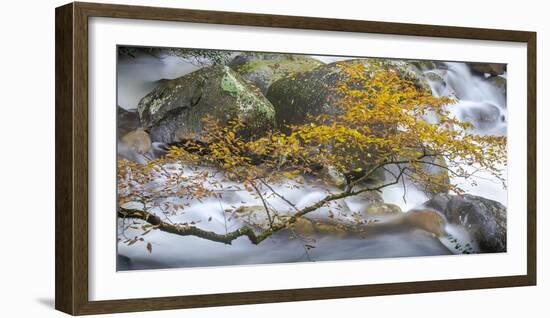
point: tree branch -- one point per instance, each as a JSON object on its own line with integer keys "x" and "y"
{"x": 187, "y": 230}
{"x": 395, "y": 162}
{"x": 279, "y": 195}
{"x": 263, "y": 202}
{"x": 228, "y": 238}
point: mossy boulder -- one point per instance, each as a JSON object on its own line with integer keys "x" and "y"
{"x": 313, "y": 92}
{"x": 264, "y": 69}
{"x": 254, "y": 56}
{"x": 423, "y": 65}
{"x": 176, "y": 107}
{"x": 435, "y": 78}
{"x": 436, "y": 81}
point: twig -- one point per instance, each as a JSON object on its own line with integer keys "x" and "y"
{"x": 263, "y": 202}
{"x": 223, "y": 214}
{"x": 279, "y": 195}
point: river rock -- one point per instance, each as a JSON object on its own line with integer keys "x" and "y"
{"x": 435, "y": 78}
{"x": 423, "y": 65}
{"x": 264, "y": 69}
{"x": 484, "y": 219}
{"x": 381, "y": 209}
{"x": 492, "y": 69}
{"x": 136, "y": 146}
{"x": 425, "y": 219}
{"x": 332, "y": 176}
{"x": 365, "y": 198}
{"x": 482, "y": 116}
{"x": 256, "y": 216}
{"x": 312, "y": 92}
{"x": 137, "y": 140}
{"x": 253, "y": 56}
{"x": 439, "y": 181}
{"x": 176, "y": 107}
{"x": 332, "y": 229}
{"x": 303, "y": 227}
{"x": 437, "y": 82}
{"x": 127, "y": 120}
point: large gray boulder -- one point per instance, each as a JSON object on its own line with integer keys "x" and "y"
{"x": 313, "y": 92}
{"x": 176, "y": 107}
{"x": 484, "y": 219}
{"x": 264, "y": 69}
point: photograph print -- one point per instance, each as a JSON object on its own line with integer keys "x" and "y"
{"x": 229, "y": 158}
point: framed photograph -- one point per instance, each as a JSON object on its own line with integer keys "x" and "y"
{"x": 211, "y": 158}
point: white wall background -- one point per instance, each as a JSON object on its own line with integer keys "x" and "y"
{"x": 27, "y": 158}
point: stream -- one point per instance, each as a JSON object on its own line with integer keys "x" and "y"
{"x": 477, "y": 99}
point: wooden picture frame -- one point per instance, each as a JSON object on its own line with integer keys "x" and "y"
{"x": 71, "y": 221}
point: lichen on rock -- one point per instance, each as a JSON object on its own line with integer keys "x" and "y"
{"x": 176, "y": 107}
{"x": 264, "y": 69}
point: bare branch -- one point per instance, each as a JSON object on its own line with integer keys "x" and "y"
{"x": 279, "y": 195}
{"x": 263, "y": 203}
{"x": 231, "y": 236}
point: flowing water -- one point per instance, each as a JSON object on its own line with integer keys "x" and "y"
{"x": 475, "y": 95}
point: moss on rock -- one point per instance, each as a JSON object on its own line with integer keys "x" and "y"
{"x": 434, "y": 77}
{"x": 263, "y": 70}
{"x": 312, "y": 92}
{"x": 423, "y": 65}
{"x": 176, "y": 107}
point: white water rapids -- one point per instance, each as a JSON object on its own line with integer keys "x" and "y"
{"x": 475, "y": 95}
